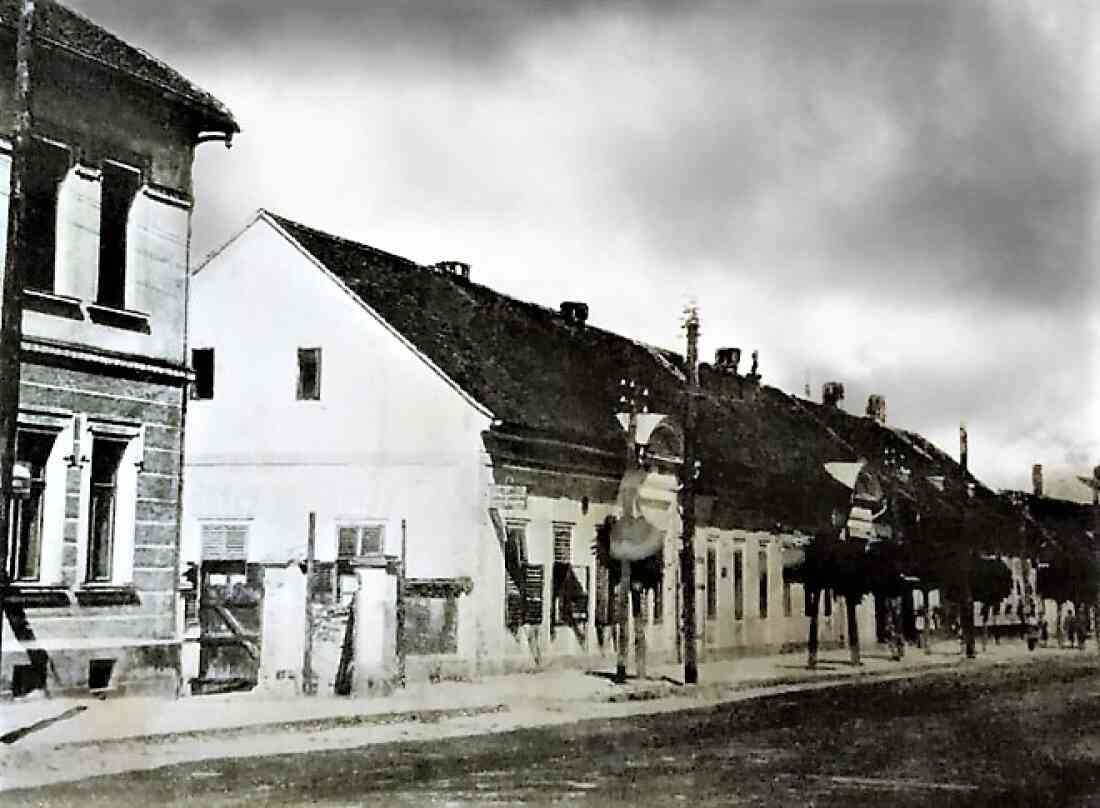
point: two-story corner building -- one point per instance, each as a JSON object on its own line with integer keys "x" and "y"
{"x": 409, "y": 405}
{"x": 94, "y": 541}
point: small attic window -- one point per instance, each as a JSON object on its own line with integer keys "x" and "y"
{"x": 309, "y": 374}
{"x": 202, "y": 361}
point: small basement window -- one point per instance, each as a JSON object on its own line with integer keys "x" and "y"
{"x": 28, "y": 678}
{"x": 309, "y": 374}
{"x": 202, "y": 361}
{"x": 99, "y": 673}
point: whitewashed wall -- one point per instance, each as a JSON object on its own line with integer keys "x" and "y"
{"x": 388, "y": 440}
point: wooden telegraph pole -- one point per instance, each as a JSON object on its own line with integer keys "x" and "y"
{"x": 11, "y": 286}
{"x": 687, "y": 552}
{"x": 308, "y": 688}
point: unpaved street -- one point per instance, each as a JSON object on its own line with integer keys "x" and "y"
{"x": 1009, "y": 735}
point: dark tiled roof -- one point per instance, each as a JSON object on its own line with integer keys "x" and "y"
{"x": 762, "y": 453}
{"x": 67, "y": 30}
{"x": 930, "y": 480}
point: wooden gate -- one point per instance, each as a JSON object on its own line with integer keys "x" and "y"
{"x": 230, "y": 611}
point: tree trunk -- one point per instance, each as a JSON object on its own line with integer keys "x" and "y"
{"x": 624, "y": 621}
{"x": 639, "y": 633}
{"x": 1058, "y": 625}
{"x": 897, "y": 641}
{"x": 853, "y": 629}
{"x": 926, "y": 637}
{"x": 814, "y": 604}
{"x": 968, "y": 617}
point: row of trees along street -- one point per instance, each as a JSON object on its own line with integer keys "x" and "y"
{"x": 953, "y": 542}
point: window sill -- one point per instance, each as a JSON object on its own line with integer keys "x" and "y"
{"x": 38, "y": 596}
{"x": 54, "y": 304}
{"x": 106, "y": 595}
{"x": 119, "y": 318}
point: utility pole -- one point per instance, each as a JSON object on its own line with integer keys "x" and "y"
{"x": 11, "y": 287}
{"x": 628, "y": 398}
{"x": 967, "y": 615}
{"x": 402, "y": 577}
{"x": 687, "y": 552}
{"x": 307, "y": 658}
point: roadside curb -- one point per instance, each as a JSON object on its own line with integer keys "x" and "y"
{"x": 720, "y": 690}
{"x": 431, "y": 716}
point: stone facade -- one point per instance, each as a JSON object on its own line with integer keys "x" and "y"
{"x": 94, "y": 545}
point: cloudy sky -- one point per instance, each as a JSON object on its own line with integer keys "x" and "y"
{"x": 897, "y": 194}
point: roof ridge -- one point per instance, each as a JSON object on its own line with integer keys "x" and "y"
{"x": 342, "y": 239}
{"x": 656, "y": 351}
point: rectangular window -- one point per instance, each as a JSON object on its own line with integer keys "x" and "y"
{"x": 26, "y": 515}
{"x": 738, "y": 585}
{"x": 309, "y": 374}
{"x": 787, "y": 609}
{"x": 202, "y": 362}
{"x": 47, "y": 165}
{"x": 712, "y": 583}
{"x": 106, "y": 457}
{"x": 563, "y": 543}
{"x": 120, "y": 184}
{"x": 570, "y": 606}
{"x": 353, "y": 541}
{"x": 515, "y": 560}
{"x": 828, "y": 610}
{"x": 762, "y": 565}
{"x": 659, "y": 603}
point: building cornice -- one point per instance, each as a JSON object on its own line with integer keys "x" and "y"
{"x": 100, "y": 360}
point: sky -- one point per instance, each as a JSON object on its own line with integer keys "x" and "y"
{"x": 900, "y": 195}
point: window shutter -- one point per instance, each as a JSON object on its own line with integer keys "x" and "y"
{"x": 372, "y": 540}
{"x": 603, "y": 587}
{"x": 348, "y": 540}
{"x": 225, "y": 542}
{"x": 532, "y": 584}
{"x": 563, "y": 544}
{"x": 513, "y": 603}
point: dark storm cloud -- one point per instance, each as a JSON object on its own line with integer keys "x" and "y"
{"x": 467, "y": 34}
{"x": 846, "y": 156}
{"x": 986, "y": 176}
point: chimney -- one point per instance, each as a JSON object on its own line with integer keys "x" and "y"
{"x": 1037, "y": 479}
{"x": 832, "y": 393}
{"x": 458, "y": 269}
{"x": 876, "y": 408}
{"x": 727, "y": 360}
{"x": 574, "y": 312}
{"x": 754, "y": 374}
{"x": 964, "y": 454}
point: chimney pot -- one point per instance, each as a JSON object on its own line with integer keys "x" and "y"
{"x": 459, "y": 269}
{"x": 832, "y": 393}
{"x": 727, "y": 359}
{"x": 1037, "y": 479}
{"x": 964, "y": 448}
{"x": 876, "y": 408}
{"x": 574, "y": 312}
